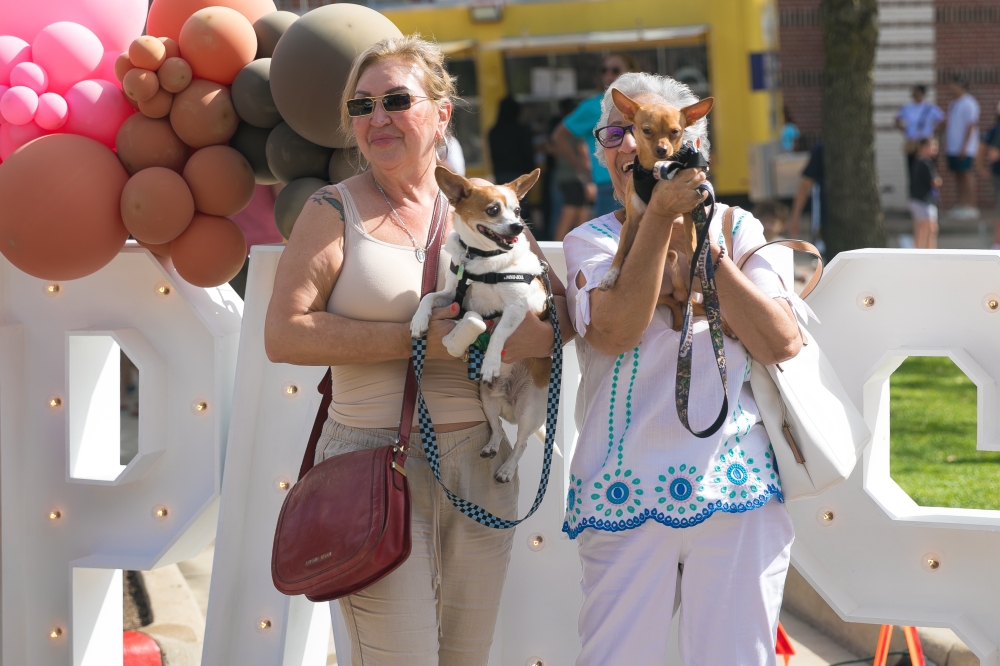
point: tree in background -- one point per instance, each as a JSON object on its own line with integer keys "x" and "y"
{"x": 854, "y": 210}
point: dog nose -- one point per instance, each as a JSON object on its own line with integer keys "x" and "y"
{"x": 516, "y": 228}
{"x": 661, "y": 151}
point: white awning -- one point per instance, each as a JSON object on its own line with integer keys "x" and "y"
{"x": 591, "y": 40}
{"x": 457, "y": 46}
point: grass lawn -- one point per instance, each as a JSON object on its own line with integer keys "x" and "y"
{"x": 933, "y": 454}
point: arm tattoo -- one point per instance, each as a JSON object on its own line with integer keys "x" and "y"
{"x": 320, "y": 196}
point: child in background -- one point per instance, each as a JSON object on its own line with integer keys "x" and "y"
{"x": 924, "y": 184}
{"x": 773, "y": 215}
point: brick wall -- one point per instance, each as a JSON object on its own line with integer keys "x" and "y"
{"x": 968, "y": 42}
{"x": 801, "y": 38}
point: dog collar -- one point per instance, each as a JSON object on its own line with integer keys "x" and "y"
{"x": 479, "y": 253}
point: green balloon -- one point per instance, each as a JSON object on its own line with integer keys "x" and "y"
{"x": 291, "y": 157}
{"x": 252, "y": 95}
{"x": 291, "y": 200}
{"x": 251, "y": 143}
{"x": 269, "y": 29}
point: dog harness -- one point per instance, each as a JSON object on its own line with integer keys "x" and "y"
{"x": 466, "y": 279}
{"x": 644, "y": 179}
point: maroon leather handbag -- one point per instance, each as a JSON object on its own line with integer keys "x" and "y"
{"x": 346, "y": 523}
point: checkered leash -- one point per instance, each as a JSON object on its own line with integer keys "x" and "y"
{"x": 429, "y": 438}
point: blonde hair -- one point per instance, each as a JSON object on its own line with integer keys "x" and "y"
{"x": 440, "y": 85}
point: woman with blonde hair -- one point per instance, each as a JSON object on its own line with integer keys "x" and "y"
{"x": 346, "y": 288}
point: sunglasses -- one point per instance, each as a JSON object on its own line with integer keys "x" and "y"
{"x": 612, "y": 135}
{"x": 392, "y": 103}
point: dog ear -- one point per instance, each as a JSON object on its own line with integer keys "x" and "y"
{"x": 625, "y": 104}
{"x": 522, "y": 185}
{"x": 697, "y": 111}
{"x": 455, "y": 187}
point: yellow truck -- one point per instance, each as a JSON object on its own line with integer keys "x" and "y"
{"x": 542, "y": 52}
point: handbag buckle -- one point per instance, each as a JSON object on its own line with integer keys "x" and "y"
{"x": 399, "y": 468}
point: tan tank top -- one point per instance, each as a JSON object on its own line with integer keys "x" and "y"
{"x": 380, "y": 281}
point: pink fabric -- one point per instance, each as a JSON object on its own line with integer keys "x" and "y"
{"x": 257, "y": 220}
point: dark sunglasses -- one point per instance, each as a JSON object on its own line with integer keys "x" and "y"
{"x": 612, "y": 135}
{"x": 613, "y": 70}
{"x": 392, "y": 103}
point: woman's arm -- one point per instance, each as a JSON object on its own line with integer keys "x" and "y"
{"x": 299, "y": 330}
{"x": 619, "y": 316}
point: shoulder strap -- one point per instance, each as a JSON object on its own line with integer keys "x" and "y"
{"x": 797, "y": 245}
{"x": 428, "y": 283}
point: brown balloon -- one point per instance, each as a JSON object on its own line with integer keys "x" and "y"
{"x": 252, "y": 95}
{"x": 159, "y": 250}
{"x": 140, "y": 84}
{"x": 170, "y": 47}
{"x": 311, "y": 62}
{"x": 147, "y": 52}
{"x": 251, "y": 142}
{"x": 221, "y": 180}
{"x": 218, "y": 42}
{"x": 167, "y": 17}
{"x": 210, "y": 252}
{"x": 158, "y": 106}
{"x": 269, "y": 29}
{"x": 344, "y": 163}
{"x": 203, "y": 114}
{"x": 60, "y": 218}
{"x": 175, "y": 75}
{"x": 144, "y": 142}
{"x": 291, "y": 200}
{"x": 156, "y": 205}
{"x": 290, "y": 156}
{"x": 122, "y": 66}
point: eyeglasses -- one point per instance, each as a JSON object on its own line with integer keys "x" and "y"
{"x": 612, "y": 135}
{"x": 611, "y": 70}
{"x": 392, "y": 103}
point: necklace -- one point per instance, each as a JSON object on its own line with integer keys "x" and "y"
{"x": 419, "y": 251}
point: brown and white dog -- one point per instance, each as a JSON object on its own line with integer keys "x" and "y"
{"x": 488, "y": 237}
{"x": 659, "y": 133}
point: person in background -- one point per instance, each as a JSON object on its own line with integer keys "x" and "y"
{"x": 789, "y": 132}
{"x": 575, "y": 208}
{"x": 989, "y": 161}
{"x": 511, "y": 143}
{"x": 812, "y": 175}
{"x": 918, "y": 120}
{"x": 772, "y": 215}
{"x": 451, "y": 156}
{"x": 581, "y": 124}
{"x": 961, "y": 144}
{"x": 924, "y": 186}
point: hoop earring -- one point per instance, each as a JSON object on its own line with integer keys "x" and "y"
{"x": 443, "y": 143}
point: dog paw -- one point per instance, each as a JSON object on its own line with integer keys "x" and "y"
{"x": 419, "y": 325}
{"x": 490, "y": 450}
{"x": 609, "y": 279}
{"x": 490, "y": 370}
{"x": 506, "y": 471}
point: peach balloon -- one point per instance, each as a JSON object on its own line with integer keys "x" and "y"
{"x": 156, "y": 205}
{"x": 61, "y": 216}
{"x": 210, "y": 252}
{"x": 140, "y": 84}
{"x": 203, "y": 114}
{"x": 97, "y": 109}
{"x": 170, "y": 47}
{"x": 158, "y": 106}
{"x": 175, "y": 75}
{"x": 24, "y": 134}
{"x": 218, "y": 42}
{"x": 221, "y": 180}
{"x": 122, "y": 66}
{"x": 29, "y": 75}
{"x": 167, "y": 17}
{"x": 18, "y": 105}
{"x": 144, "y": 142}
{"x": 160, "y": 250}
{"x": 147, "y": 52}
{"x": 52, "y": 111}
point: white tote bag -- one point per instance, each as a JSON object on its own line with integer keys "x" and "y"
{"x": 816, "y": 431}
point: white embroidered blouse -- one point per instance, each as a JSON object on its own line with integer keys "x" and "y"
{"x": 634, "y": 461}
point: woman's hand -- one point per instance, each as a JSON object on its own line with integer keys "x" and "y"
{"x": 672, "y": 198}
{"x": 532, "y": 339}
{"x": 441, "y": 324}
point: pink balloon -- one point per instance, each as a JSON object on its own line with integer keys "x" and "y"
{"x": 13, "y": 137}
{"x": 13, "y": 51}
{"x": 30, "y": 75}
{"x": 6, "y": 143}
{"x": 69, "y": 53}
{"x": 18, "y": 105}
{"x": 52, "y": 111}
{"x": 106, "y": 70}
{"x": 96, "y": 110}
{"x": 115, "y": 22}
{"x": 3, "y": 89}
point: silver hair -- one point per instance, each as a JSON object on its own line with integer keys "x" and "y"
{"x": 670, "y": 90}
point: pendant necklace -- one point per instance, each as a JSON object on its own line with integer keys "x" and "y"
{"x": 419, "y": 251}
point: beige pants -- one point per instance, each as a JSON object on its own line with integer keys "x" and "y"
{"x": 440, "y": 607}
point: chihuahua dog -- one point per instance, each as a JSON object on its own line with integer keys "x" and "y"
{"x": 488, "y": 240}
{"x": 659, "y": 134}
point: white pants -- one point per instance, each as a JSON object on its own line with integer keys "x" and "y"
{"x": 732, "y": 575}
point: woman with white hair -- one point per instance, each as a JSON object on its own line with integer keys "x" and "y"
{"x": 662, "y": 516}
